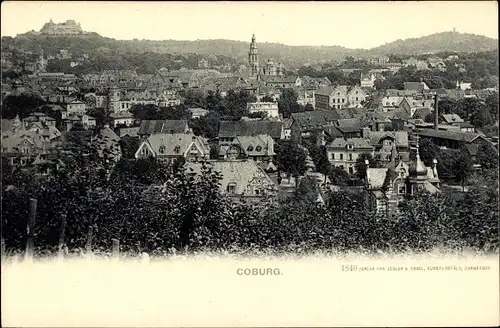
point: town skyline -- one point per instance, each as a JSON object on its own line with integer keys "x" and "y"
{"x": 250, "y": 18}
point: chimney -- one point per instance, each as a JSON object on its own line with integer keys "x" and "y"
{"x": 436, "y": 112}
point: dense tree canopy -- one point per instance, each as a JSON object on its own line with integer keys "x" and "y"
{"x": 153, "y": 208}
{"x": 361, "y": 166}
{"x": 291, "y": 158}
{"x": 287, "y": 104}
{"x": 22, "y": 105}
{"x": 153, "y": 112}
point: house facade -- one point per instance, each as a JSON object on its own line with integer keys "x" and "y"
{"x": 343, "y": 153}
{"x": 240, "y": 178}
{"x": 124, "y": 118}
{"x": 170, "y": 146}
{"x": 75, "y": 108}
{"x": 268, "y": 108}
{"x": 356, "y": 96}
{"x": 339, "y": 97}
{"x": 388, "y": 187}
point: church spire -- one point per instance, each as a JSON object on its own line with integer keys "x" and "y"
{"x": 253, "y": 58}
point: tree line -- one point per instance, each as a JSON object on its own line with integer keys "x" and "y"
{"x": 156, "y": 208}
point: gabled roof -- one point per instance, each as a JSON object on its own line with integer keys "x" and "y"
{"x": 315, "y": 118}
{"x": 166, "y": 144}
{"x": 452, "y": 118}
{"x": 349, "y": 129}
{"x": 376, "y": 177}
{"x": 400, "y": 137}
{"x": 240, "y": 173}
{"x": 360, "y": 143}
{"x": 421, "y": 112}
{"x": 347, "y": 122}
{"x": 325, "y": 91}
{"x": 259, "y": 145}
{"x": 467, "y": 137}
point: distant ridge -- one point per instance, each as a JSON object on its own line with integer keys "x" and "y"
{"x": 444, "y": 41}
{"x": 290, "y": 55}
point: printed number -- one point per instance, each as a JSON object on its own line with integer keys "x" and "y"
{"x": 349, "y": 267}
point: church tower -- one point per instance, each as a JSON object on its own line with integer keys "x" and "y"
{"x": 253, "y": 58}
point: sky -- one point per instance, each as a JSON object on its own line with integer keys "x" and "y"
{"x": 349, "y": 24}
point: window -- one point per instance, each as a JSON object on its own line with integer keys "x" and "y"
{"x": 231, "y": 188}
{"x": 26, "y": 150}
{"x": 333, "y": 156}
{"x": 177, "y": 149}
{"x": 4, "y": 149}
{"x": 351, "y": 171}
{"x": 258, "y": 148}
{"x": 401, "y": 189}
{"x": 162, "y": 150}
{"x": 257, "y": 191}
{"x": 350, "y": 157}
{"x": 250, "y": 148}
{"x": 341, "y": 156}
{"x": 356, "y": 98}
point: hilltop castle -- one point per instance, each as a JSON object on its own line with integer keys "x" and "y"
{"x": 270, "y": 68}
{"x": 70, "y": 27}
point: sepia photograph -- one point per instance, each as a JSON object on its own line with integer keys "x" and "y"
{"x": 249, "y": 164}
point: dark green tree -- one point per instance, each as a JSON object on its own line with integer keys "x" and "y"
{"x": 22, "y": 105}
{"x": 129, "y": 146}
{"x": 487, "y": 157}
{"x": 307, "y": 190}
{"x": 174, "y": 113}
{"x": 338, "y": 176}
{"x": 361, "y": 166}
{"x": 492, "y": 105}
{"x": 287, "y": 104}
{"x": 462, "y": 167}
{"x": 291, "y": 158}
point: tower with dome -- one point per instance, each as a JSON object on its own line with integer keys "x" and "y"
{"x": 258, "y": 71}
{"x": 388, "y": 187}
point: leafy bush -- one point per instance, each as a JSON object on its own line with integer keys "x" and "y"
{"x": 172, "y": 210}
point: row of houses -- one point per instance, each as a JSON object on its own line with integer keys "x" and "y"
{"x": 35, "y": 140}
